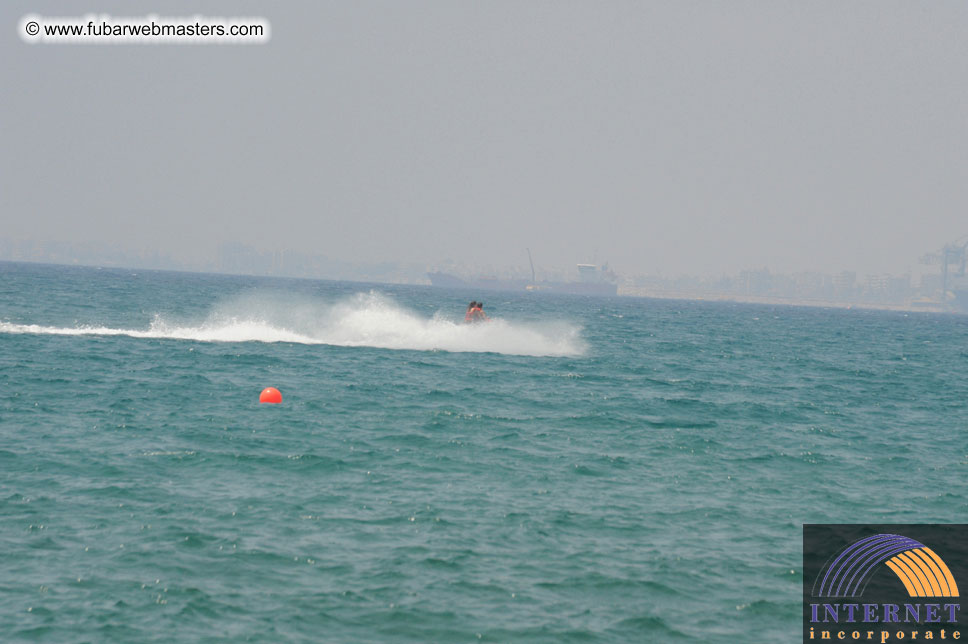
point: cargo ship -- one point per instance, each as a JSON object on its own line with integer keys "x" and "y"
{"x": 592, "y": 280}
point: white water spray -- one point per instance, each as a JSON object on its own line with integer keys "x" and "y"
{"x": 363, "y": 320}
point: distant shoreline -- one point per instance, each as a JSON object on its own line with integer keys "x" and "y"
{"x": 623, "y": 291}
{"x": 634, "y": 291}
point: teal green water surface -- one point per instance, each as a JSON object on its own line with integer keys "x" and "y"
{"x": 576, "y": 470}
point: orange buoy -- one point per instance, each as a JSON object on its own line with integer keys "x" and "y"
{"x": 270, "y": 395}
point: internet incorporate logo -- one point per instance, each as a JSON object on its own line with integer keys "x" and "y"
{"x": 908, "y": 591}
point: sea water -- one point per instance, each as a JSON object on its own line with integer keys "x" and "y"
{"x": 577, "y": 470}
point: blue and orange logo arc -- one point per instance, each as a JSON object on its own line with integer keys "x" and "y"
{"x": 922, "y": 572}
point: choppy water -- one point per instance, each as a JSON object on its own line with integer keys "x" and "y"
{"x": 579, "y": 470}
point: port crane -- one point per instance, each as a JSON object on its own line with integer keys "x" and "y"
{"x": 948, "y": 256}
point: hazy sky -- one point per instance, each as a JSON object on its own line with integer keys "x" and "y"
{"x": 673, "y": 136}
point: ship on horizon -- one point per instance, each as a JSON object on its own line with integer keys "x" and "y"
{"x": 592, "y": 280}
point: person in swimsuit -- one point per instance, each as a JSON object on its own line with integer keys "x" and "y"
{"x": 477, "y": 313}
